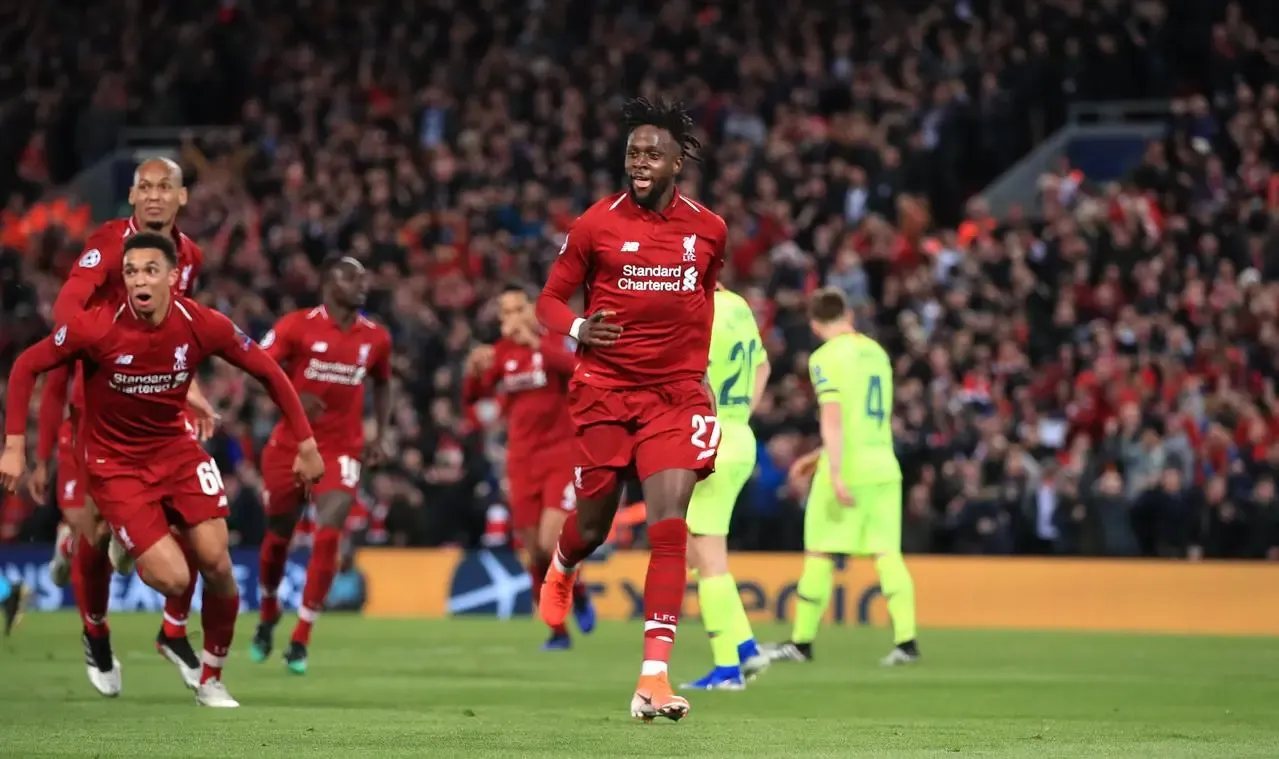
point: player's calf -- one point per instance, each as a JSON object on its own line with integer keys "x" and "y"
{"x": 331, "y": 510}
{"x": 220, "y": 606}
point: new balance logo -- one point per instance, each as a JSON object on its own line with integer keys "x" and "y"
{"x": 630, "y": 247}
{"x": 124, "y": 360}
{"x": 320, "y": 347}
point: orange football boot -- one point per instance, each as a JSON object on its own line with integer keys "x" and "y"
{"x": 654, "y": 698}
{"x": 557, "y": 596}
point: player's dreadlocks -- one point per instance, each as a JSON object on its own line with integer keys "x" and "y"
{"x": 666, "y": 115}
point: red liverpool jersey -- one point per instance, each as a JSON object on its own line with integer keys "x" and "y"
{"x": 532, "y": 384}
{"x": 657, "y": 271}
{"x": 137, "y": 375}
{"x": 331, "y": 363}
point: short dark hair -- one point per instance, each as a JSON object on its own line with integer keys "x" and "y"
{"x": 666, "y": 115}
{"x": 827, "y": 305}
{"x": 334, "y": 260}
{"x": 514, "y": 287}
{"x": 153, "y": 241}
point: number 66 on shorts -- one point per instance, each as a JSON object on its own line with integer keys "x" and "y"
{"x": 644, "y": 430}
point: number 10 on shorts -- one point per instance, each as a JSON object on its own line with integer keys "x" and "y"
{"x": 705, "y": 434}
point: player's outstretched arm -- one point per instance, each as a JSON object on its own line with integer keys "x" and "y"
{"x": 52, "y": 351}
{"x": 53, "y": 406}
{"x": 229, "y": 343}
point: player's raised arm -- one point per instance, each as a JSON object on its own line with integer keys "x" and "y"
{"x": 479, "y": 375}
{"x": 62, "y": 347}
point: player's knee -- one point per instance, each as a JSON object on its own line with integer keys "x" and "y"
{"x": 217, "y": 569}
{"x": 281, "y": 525}
{"x": 164, "y": 567}
{"x": 331, "y": 509}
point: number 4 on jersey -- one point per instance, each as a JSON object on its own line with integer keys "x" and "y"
{"x": 875, "y": 399}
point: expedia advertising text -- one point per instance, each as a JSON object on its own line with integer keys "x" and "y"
{"x": 963, "y": 592}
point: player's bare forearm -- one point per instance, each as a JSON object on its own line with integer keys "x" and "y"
{"x": 762, "y": 373}
{"x": 259, "y": 365}
{"x": 832, "y": 432}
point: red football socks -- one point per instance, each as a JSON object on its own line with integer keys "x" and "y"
{"x": 580, "y": 593}
{"x": 320, "y": 572}
{"x": 91, "y": 583}
{"x": 272, "y": 558}
{"x": 663, "y": 592}
{"x": 217, "y": 615}
{"x": 571, "y": 549}
{"x": 176, "y": 610}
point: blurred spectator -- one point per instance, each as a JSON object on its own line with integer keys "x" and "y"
{"x": 1097, "y": 380}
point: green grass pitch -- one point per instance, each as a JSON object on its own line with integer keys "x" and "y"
{"x": 480, "y": 688}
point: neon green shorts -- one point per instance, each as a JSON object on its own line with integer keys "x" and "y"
{"x": 872, "y": 525}
{"x": 711, "y": 509}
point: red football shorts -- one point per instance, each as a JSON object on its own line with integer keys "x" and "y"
{"x": 645, "y": 430}
{"x": 540, "y": 483}
{"x": 282, "y": 493}
{"x": 71, "y": 474}
{"x": 141, "y": 499}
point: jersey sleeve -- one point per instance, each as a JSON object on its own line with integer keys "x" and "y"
{"x": 53, "y": 407}
{"x": 62, "y": 347}
{"x": 566, "y": 277}
{"x": 87, "y": 275}
{"x": 825, "y": 378}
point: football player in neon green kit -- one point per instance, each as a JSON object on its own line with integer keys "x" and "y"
{"x": 738, "y": 371}
{"x": 855, "y": 502}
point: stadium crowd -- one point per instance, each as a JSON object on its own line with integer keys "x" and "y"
{"x": 1100, "y": 380}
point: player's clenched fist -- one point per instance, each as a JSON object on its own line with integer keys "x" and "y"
{"x": 308, "y": 467}
{"x": 595, "y": 332}
{"x": 479, "y": 360}
{"x": 12, "y": 463}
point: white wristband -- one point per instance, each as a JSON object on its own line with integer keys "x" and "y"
{"x": 576, "y": 328}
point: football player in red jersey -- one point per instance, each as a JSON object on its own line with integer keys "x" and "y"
{"x": 328, "y": 352}
{"x": 530, "y": 369}
{"x": 145, "y": 471}
{"x": 96, "y": 280}
{"x": 648, "y": 259}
